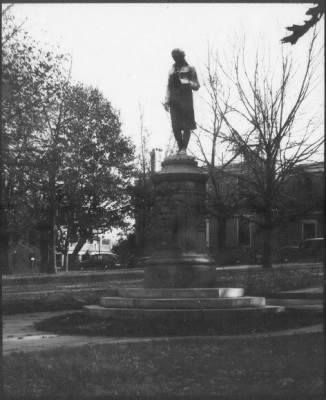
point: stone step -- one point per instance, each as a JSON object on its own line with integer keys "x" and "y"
{"x": 151, "y": 315}
{"x": 296, "y": 302}
{"x": 182, "y": 303}
{"x": 195, "y": 293}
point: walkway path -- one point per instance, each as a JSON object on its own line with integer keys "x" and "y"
{"x": 19, "y": 334}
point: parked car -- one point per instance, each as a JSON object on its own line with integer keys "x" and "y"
{"x": 134, "y": 262}
{"x": 100, "y": 261}
{"x": 309, "y": 250}
{"x": 131, "y": 262}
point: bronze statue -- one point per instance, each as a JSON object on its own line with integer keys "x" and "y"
{"x": 181, "y": 82}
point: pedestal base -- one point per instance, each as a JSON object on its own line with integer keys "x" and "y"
{"x": 179, "y": 275}
{"x": 180, "y": 305}
{"x": 184, "y": 271}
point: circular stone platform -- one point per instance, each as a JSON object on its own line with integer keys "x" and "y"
{"x": 199, "y": 304}
{"x": 196, "y": 293}
{"x": 124, "y": 302}
{"x": 194, "y": 315}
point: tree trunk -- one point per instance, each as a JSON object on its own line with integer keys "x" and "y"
{"x": 267, "y": 250}
{"x": 4, "y": 233}
{"x": 44, "y": 250}
{"x": 4, "y": 253}
{"x": 66, "y": 251}
{"x": 52, "y": 233}
{"x": 143, "y": 233}
{"x": 52, "y": 248}
{"x": 80, "y": 244}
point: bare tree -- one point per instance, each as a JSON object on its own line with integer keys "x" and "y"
{"x": 144, "y": 151}
{"x": 212, "y": 149}
{"x": 142, "y": 194}
{"x": 273, "y": 145}
{"x": 262, "y": 128}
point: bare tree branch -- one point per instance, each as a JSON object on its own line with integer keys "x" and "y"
{"x": 268, "y": 141}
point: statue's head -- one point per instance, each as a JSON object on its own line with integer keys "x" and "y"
{"x": 178, "y": 55}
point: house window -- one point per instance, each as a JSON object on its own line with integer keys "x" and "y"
{"x": 222, "y": 239}
{"x": 308, "y": 187}
{"x": 237, "y": 232}
{"x": 244, "y": 234}
{"x": 231, "y": 232}
{"x": 207, "y": 232}
{"x": 308, "y": 229}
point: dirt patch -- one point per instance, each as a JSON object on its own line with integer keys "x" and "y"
{"x": 80, "y": 323}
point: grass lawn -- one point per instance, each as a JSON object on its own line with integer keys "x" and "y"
{"x": 270, "y": 367}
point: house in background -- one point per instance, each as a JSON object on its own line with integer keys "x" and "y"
{"x": 236, "y": 238}
{"x": 233, "y": 234}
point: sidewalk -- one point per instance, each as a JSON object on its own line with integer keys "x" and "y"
{"x": 19, "y": 334}
{"x": 275, "y": 266}
{"x": 311, "y": 292}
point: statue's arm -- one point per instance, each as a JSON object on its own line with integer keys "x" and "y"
{"x": 167, "y": 94}
{"x": 194, "y": 83}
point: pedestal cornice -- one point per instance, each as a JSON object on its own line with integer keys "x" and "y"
{"x": 180, "y": 167}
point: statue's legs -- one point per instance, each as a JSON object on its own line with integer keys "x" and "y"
{"x": 178, "y": 138}
{"x": 186, "y": 137}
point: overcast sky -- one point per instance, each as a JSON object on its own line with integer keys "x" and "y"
{"x": 124, "y": 49}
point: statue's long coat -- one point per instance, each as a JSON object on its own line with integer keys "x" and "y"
{"x": 179, "y": 97}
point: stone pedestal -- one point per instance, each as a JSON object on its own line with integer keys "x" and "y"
{"x": 176, "y": 250}
{"x": 179, "y": 275}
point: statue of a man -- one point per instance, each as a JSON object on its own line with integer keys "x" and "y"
{"x": 181, "y": 82}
